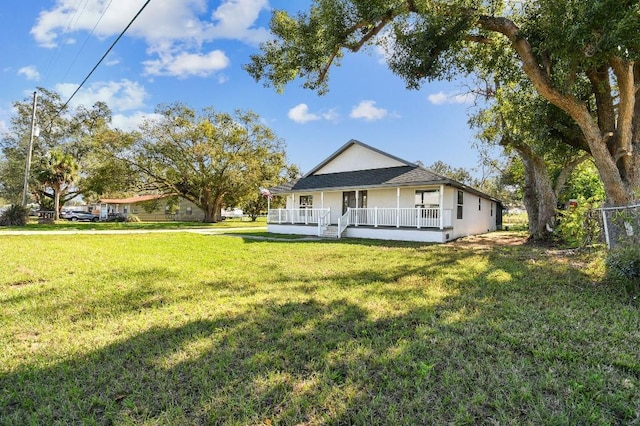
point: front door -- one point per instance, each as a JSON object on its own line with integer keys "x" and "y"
{"x": 349, "y": 200}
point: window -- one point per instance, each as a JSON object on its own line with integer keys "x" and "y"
{"x": 427, "y": 200}
{"x": 460, "y": 202}
{"x": 492, "y": 209}
{"x": 306, "y": 202}
{"x": 189, "y": 211}
{"x": 479, "y": 203}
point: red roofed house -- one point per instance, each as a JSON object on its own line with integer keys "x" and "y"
{"x": 152, "y": 208}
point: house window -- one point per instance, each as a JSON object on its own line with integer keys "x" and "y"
{"x": 479, "y": 203}
{"x": 491, "y": 209}
{"x": 189, "y": 211}
{"x": 428, "y": 199}
{"x": 460, "y": 202}
{"x": 306, "y": 202}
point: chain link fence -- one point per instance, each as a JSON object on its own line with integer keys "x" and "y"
{"x": 618, "y": 225}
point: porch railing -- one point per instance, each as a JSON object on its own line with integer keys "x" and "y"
{"x": 343, "y": 222}
{"x": 324, "y": 220}
{"x": 297, "y": 216}
{"x": 374, "y": 216}
{"x": 403, "y": 217}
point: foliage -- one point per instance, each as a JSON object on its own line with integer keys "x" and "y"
{"x": 206, "y": 157}
{"x": 15, "y": 215}
{"x": 179, "y": 328}
{"x": 459, "y": 174}
{"x": 56, "y": 171}
{"x": 150, "y": 206}
{"x": 577, "y": 227}
{"x": 584, "y": 182}
{"x": 72, "y": 132}
{"x": 623, "y": 267}
{"x": 578, "y": 56}
{"x": 133, "y": 218}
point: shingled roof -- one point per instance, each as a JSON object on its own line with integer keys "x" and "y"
{"x": 391, "y": 176}
{"x": 409, "y": 174}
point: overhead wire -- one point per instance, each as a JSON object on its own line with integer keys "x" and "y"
{"x": 55, "y": 53}
{"x": 86, "y": 40}
{"x": 104, "y": 56}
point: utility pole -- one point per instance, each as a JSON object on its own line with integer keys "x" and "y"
{"x": 27, "y": 169}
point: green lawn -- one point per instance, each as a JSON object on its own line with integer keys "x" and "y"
{"x": 194, "y": 329}
{"x": 62, "y": 225}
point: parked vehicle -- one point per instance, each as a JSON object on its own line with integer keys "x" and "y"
{"x": 79, "y": 215}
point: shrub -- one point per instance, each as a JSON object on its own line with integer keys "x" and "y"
{"x": 133, "y": 218}
{"x": 15, "y": 216}
{"x": 623, "y": 267}
{"x": 577, "y": 226}
{"x": 116, "y": 218}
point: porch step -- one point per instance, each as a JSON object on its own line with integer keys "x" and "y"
{"x": 330, "y": 232}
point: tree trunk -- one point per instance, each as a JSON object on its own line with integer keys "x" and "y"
{"x": 540, "y": 199}
{"x": 56, "y": 203}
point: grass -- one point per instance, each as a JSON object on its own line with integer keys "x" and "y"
{"x": 60, "y": 225}
{"x": 190, "y": 329}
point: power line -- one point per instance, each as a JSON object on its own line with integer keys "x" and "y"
{"x": 86, "y": 40}
{"x": 105, "y": 55}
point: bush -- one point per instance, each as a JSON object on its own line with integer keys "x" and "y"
{"x": 133, "y": 218}
{"x": 15, "y": 216}
{"x": 623, "y": 267}
{"x": 577, "y": 226}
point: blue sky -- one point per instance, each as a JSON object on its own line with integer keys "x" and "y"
{"x": 193, "y": 51}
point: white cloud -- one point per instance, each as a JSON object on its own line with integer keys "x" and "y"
{"x": 30, "y": 72}
{"x": 300, "y": 114}
{"x": 171, "y": 28}
{"x": 132, "y": 122}
{"x": 124, "y": 95}
{"x": 442, "y": 98}
{"x": 187, "y": 64}
{"x": 367, "y": 110}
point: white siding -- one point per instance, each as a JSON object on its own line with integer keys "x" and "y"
{"x": 358, "y": 157}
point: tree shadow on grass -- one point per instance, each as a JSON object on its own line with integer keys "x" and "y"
{"x": 478, "y": 354}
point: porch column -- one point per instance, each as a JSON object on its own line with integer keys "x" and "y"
{"x": 357, "y": 215}
{"x": 441, "y": 207}
{"x": 398, "y": 207}
{"x": 293, "y": 200}
{"x": 322, "y": 200}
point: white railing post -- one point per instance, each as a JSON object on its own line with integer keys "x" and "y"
{"x": 279, "y": 216}
{"x": 419, "y": 217}
{"x": 375, "y": 217}
{"x": 398, "y": 217}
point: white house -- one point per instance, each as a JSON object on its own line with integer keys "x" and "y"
{"x": 362, "y": 192}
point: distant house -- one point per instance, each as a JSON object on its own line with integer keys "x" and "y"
{"x": 152, "y": 208}
{"x": 362, "y": 192}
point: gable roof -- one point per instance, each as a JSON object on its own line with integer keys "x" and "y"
{"x": 348, "y": 145}
{"x": 409, "y": 174}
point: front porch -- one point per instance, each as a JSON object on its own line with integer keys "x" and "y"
{"x": 369, "y": 222}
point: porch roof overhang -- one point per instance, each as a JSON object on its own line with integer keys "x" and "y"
{"x": 132, "y": 200}
{"x": 392, "y": 177}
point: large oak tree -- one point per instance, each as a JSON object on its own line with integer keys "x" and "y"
{"x": 204, "y": 157}
{"x": 558, "y": 45}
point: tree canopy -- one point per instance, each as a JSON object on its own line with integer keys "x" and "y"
{"x": 206, "y": 157}
{"x": 580, "y": 56}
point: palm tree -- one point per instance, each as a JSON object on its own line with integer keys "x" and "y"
{"x": 57, "y": 171}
